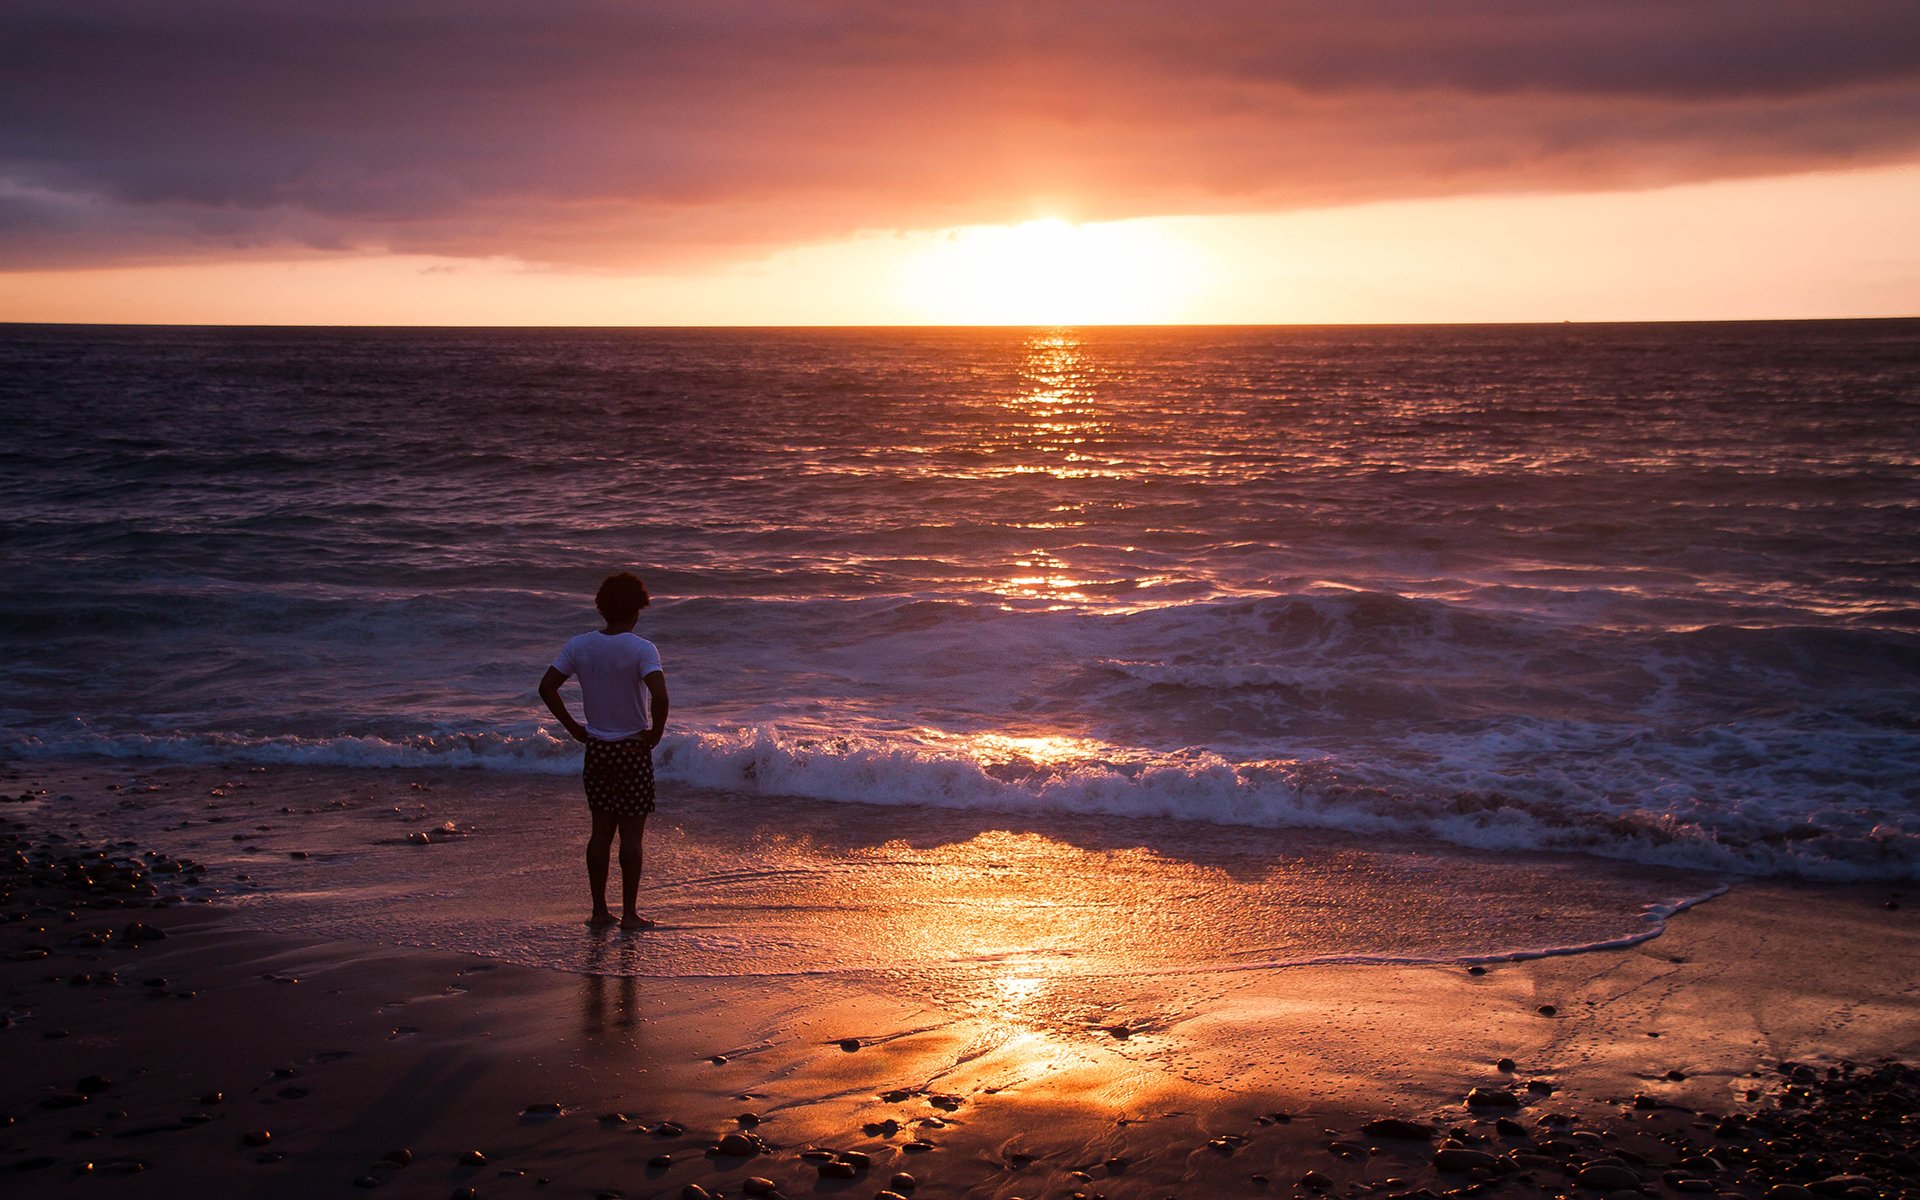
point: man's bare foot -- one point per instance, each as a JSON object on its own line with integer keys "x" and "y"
{"x": 633, "y": 921}
{"x": 600, "y": 920}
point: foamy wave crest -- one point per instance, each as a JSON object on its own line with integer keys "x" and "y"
{"x": 1075, "y": 776}
{"x": 537, "y": 753}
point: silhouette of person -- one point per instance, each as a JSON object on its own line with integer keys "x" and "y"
{"x": 624, "y": 693}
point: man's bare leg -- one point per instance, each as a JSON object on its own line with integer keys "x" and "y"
{"x": 632, "y": 832}
{"x": 599, "y": 847}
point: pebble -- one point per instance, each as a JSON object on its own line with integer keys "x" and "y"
{"x": 541, "y": 1110}
{"x": 916, "y": 1147}
{"x": 367, "y": 1181}
{"x": 1459, "y": 1158}
{"x": 257, "y": 1137}
{"x": 903, "y": 1183}
{"x": 737, "y": 1145}
{"x": 1315, "y": 1181}
{"x": 1507, "y": 1065}
{"x": 837, "y": 1170}
{"x": 1492, "y": 1098}
{"x": 660, "y": 1161}
{"x": 1607, "y": 1177}
{"x": 399, "y": 1158}
{"x": 465, "y": 1193}
{"x": 474, "y": 1158}
{"x": 694, "y": 1191}
{"x": 857, "y": 1159}
{"x": 849, "y": 1044}
{"x": 748, "y": 1119}
{"x": 1546, "y": 1010}
{"x": 888, "y": 1194}
{"x": 758, "y": 1185}
{"x": 896, "y": 1095}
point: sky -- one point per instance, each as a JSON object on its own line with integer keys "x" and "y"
{"x": 817, "y": 162}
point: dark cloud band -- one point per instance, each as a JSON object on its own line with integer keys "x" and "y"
{"x": 593, "y": 132}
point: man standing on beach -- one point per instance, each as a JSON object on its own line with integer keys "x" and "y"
{"x": 624, "y": 692}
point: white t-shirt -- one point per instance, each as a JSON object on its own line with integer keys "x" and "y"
{"x": 611, "y": 667}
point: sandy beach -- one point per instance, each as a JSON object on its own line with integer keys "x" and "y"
{"x": 231, "y": 1058}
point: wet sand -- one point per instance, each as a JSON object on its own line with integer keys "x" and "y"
{"x": 264, "y": 1063}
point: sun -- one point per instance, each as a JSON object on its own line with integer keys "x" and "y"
{"x": 1052, "y": 272}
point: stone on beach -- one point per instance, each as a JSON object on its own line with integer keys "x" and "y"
{"x": 737, "y": 1145}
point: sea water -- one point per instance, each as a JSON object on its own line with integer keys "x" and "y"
{"x": 1644, "y": 593}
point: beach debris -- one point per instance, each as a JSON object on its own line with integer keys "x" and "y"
{"x": 1398, "y": 1127}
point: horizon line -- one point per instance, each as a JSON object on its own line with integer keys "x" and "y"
{"x": 1548, "y": 323}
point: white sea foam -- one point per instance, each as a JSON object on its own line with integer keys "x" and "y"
{"x": 1486, "y": 811}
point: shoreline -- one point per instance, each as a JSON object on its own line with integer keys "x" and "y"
{"x": 440, "y": 1053}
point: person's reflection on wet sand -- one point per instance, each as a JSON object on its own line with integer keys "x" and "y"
{"x": 605, "y": 969}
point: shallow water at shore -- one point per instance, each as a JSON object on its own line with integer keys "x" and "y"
{"x": 979, "y": 909}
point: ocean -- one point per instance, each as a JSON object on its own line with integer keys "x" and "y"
{"x": 1644, "y": 593}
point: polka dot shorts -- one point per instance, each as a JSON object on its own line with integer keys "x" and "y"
{"x": 618, "y": 777}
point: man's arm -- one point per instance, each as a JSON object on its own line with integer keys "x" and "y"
{"x": 656, "y": 682}
{"x": 550, "y": 692}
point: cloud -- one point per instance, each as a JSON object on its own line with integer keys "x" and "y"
{"x": 622, "y": 134}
